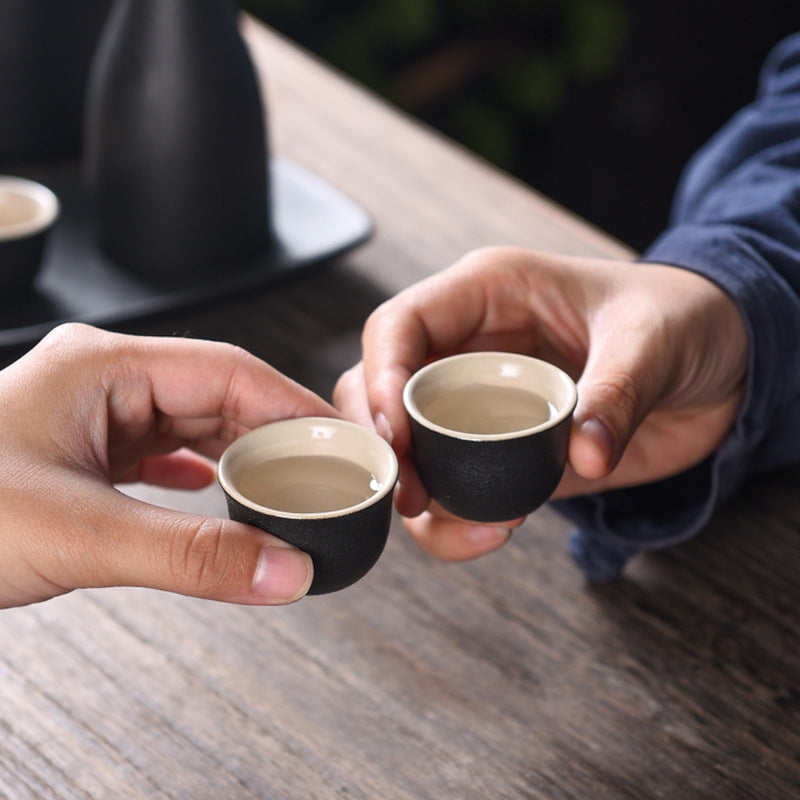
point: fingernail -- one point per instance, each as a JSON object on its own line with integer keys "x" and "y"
{"x": 599, "y": 436}
{"x": 383, "y": 428}
{"x": 282, "y": 574}
{"x": 487, "y": 535}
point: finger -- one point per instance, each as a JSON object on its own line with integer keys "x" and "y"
{"x": 665, "y": 444}
{"x": 183, "y": 378}
{"x": 196, "y": 379}
{"x": 182, "y": 469}
{"x": 623, "y": 380}
{"x": 350, "y": 396}
{"x": 123, "y": 541}
{"x": 451, "y": 539}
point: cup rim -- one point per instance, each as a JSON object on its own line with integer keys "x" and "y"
{"x": 319, "y": 426}
{"x": 492, "y": 355}
{"x": 45, "y": 198}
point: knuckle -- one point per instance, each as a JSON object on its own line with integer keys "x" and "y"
{"x": 243, "y": 365}
{"x": 198, "y": 558}
{"x": 489, "y": 258}
{"x": 621, "y": 395}
{"x": 70, "y": 337}
{"x": 487, "y": 253}
{"x": 236, "y": 353}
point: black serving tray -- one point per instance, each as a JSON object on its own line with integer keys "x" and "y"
{"x": 312, "y": 222}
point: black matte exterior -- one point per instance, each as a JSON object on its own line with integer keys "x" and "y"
{"x": 343, "y": 549}
{"x": 175, "y": 140}
{"x": 491, "y": 481}
{"x": 19, "y": 262}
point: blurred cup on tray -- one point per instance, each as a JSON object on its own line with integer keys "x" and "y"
{"x": 28, "y": 211}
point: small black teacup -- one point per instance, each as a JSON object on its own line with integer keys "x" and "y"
{"x": 490, "y": 432}
{"x": 324, "y": 485}
{"x": 28, "y": 211}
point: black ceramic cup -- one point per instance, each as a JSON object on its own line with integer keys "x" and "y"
{"x": 321, "y": 484}
{"x": 490, "y": 432}
{"x": 28, "y": 210}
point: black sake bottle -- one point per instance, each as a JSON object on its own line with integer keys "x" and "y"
{"x": 175, "y": 143}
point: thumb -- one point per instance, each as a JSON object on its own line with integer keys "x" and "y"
{"x": 617, "y": 390}
{"x": 136, "y": 544}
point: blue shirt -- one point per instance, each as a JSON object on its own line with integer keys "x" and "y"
{"x": 735, "y": 220}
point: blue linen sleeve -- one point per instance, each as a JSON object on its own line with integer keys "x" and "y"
{"x": 735, "y": 220}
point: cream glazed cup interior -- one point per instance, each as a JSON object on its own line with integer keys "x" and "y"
{"x": 26, "y": 208}
{"x": 475, "y": 376}
{"x": 308, "y": 436}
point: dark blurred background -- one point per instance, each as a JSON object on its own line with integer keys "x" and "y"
{"x": 597, "y": 103}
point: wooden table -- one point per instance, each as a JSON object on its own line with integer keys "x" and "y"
{"x": 508, "y": 677}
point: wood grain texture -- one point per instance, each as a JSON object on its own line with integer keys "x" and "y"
{"x": 507, "y": 677}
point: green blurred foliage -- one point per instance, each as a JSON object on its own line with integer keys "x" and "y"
{"x": 484, "y": 71}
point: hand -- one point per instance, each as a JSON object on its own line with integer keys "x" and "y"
{"x": 86, "y": 409}
{"x": 659, "y": 354}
